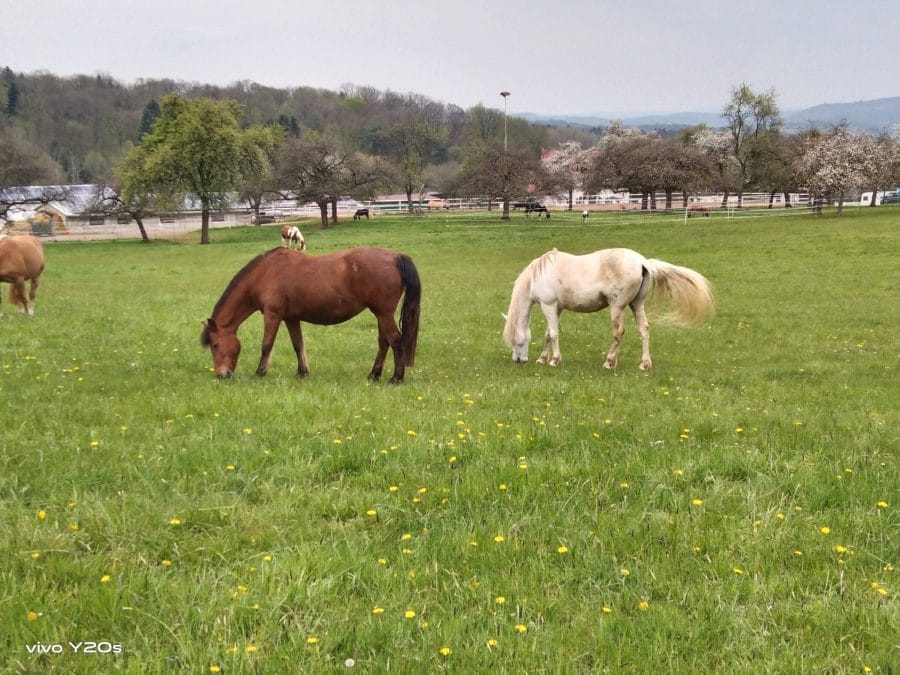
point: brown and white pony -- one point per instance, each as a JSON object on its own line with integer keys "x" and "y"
{"x": 616, "y": 278}
{"x": 292, "y": 238}
{"x": 21, "y": 259}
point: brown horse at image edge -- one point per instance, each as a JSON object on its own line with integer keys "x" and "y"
{"x": 21, "y": 259}
{"x": 291, "y": 286}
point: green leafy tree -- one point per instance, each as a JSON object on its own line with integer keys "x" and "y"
{"x": 258, "y": 178}
{"x": 195, "y": 149}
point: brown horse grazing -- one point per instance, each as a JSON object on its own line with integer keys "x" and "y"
{"x": 291, "y": 286}
{"x": 21, "y": 258}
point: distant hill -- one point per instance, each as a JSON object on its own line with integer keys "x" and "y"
{"x": 876, "y": 115}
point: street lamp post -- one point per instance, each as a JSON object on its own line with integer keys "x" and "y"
{"x": 505, "y": 215}
{"x": 504, "y": 94}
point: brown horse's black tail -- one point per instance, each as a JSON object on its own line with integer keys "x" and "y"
{"x": 409, "y": 313}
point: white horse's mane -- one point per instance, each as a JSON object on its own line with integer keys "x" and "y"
{"x": 522, "y": 286}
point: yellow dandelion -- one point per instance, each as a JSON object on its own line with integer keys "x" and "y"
{"x": 249, "y": 649}
{"x": 523, "y": 465}
{"x": 521, "y": 628}
{"x": 104, "y": 579}
{"x": 607, "y": 610}
{"x": 371, "y": 512}
{"x": 445, "y": 651}
{"x": 451, "y": 459}
{"x": 499, "y": 538}
{"x": 411, "y": 432}
{"x": 382, "y": 561}
{"x": 32, "y": 616}
{"x": 229, "y": 467}
{"x": 35, "y": 554}
{"x": 423, "y": 490}
{"x": 737, "y": 570}
{"x": 248, "y": 430}
{"x": 840, "y": 549}
{"x": 393, "y": 488}
{"x": 73, "y": 527}
{"x": 696, "y": 502}
{"x": 738, "y": 430}
{"x": 491, "y": 642}
{"x": 882, "y": 504}
{"x": 798, "y": 552}
{"x": 825, "y": 529}
{"x": 502, "y": 486}
{"x": 165, "y": 563}
{"x": 95, "y": 443}
{"x": 409, "y": 614}
{"x": 337, "y": 441}
{"x": 405, "y": 536}
{"x": 213, "y": 668}
{"x": 623, "y": 485}
{"x": 562, "y": 549}
{"x": 644, "y": 605}
{"x": 678, "y": 472}
{"x": 267, "y": 557}
{"x": 779, "y": 515}
{"x": 500, "y": 600}
{"x": 311, "y": 640}
{"x": 41, "y": 514}
{"x": 624, "y": 571}
{"x": 378, "y": 609}
{"x": 231, "y": 650}
{"x": 174, "y": 521}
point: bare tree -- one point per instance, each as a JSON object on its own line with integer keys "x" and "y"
{"x": 749, "y": 117}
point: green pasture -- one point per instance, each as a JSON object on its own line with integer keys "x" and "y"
{"x": 732, "y": 510}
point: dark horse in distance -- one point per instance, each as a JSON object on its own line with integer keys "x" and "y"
{"x": 292, "y": 286}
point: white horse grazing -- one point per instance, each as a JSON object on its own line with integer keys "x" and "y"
{"x": 614, "y": 278}
{"x": 291, "y": 237}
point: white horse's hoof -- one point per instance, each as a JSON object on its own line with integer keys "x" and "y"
{"x": 609, "y": 365}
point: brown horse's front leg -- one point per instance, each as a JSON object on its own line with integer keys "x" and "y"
{"x": 270, "y": 330}
{"x": 297, "y": 340}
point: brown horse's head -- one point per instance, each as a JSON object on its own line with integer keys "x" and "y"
{"x": 224, "y": 345}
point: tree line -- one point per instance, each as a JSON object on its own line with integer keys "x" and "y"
{"x": 153, "y": 143}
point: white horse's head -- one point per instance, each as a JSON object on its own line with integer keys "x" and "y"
{"x": 517, "y": 334}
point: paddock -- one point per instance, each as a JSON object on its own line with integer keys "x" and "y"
{"x": 288, "y": 525}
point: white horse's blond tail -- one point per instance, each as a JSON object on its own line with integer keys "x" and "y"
{"x": 687, "y": 294}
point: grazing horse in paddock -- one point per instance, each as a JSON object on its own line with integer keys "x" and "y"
{"x": 321, "y": 289}
{"x": 614, "y": 278}
{"x": 292, "y": 238}
{"x": 360, "y": 213}
{"x": 536, "y": 208}
{"x": 698, "y": 209}
{"x": 21, "y": 259}
{"x": 584, "y": 216}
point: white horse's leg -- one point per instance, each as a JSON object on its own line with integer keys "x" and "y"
{"x": 550, "y": 353}
{"x": 643, "y": 327}
{"x": 618, "y": 328}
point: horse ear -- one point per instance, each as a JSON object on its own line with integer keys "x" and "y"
{"x": 208, "y": 325}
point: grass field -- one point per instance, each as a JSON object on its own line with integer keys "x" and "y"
{"x": 732, "y": 510}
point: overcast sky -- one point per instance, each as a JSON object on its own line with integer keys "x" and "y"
{"x": 554, "y": 56}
